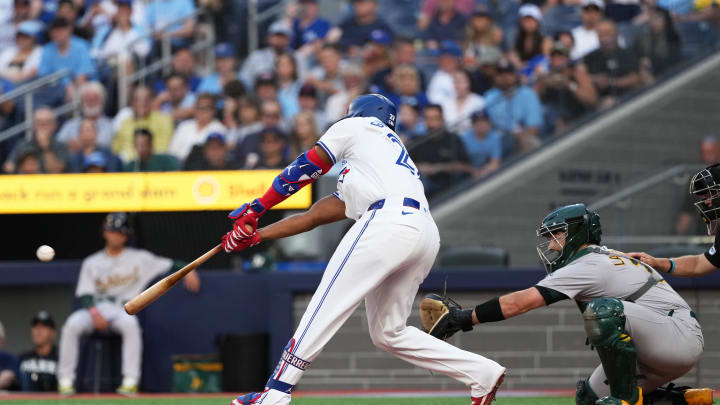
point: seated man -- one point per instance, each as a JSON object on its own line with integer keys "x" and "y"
{"x": 39, "y": 365}
{"x": 8, "y": 365}
{"x": 637, "y": 323}
{"x": 107, "y": 280}
{"x": 212, "y": 155}
{"x": 483, "y": 145}
{"x": 147, "y": 160}
{"x": 614, "y": 71}
{"x": 441, "y": 157}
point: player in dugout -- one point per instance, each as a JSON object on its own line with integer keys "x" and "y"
{"x": 107, "y": 280}
{"x": 645, "y": 334}
{"x": 705, "y": 186}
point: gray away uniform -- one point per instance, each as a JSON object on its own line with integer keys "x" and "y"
{"x": 111, "y": 281}
{"x": 666, "y": 335}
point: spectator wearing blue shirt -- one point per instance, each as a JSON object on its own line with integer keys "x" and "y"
{"x": 447, "y": 24}
{"x": 66, "y": 51}
{"x": 308, "y": 27}
{"x": 8, "y": 365}
{"x": 161, "y": 13}
{"x": 224, "y": 70}
{"x": 483, "y": 145}
{"x": 514, "y": 110}
{"x": 357, "y": 30}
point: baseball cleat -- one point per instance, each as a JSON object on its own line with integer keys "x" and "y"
{"x": 267, "y": 397}
{"x": 127, "y": 390}
{"x": 490, "y": 396}
{"x": 66, "y": 390}
{"x": 616, "y": 401}
{"x": 699, "y": 396}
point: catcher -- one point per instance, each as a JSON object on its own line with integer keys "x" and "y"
{"x": 645, "y": 334}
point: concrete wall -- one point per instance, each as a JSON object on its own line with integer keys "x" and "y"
{"x": 542, "y": 349}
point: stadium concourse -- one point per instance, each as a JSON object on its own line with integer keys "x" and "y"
{"x": 129, "y": 129}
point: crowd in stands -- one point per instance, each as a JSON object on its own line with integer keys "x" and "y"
{"x": 475, "y": 81}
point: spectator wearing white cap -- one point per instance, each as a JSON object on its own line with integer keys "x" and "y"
{"x": 263, "y": 60}
{"x": 531, "y": 48}
{"x": 8, "y": 364}
{"x": 20, "y": 61}
{"x": 585, "y": 36}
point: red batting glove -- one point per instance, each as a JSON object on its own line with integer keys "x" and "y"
{"x": 231, "y": 243}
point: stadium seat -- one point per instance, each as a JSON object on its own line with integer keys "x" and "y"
{"x": 473, "y": 257}
{"x": 99, "y": 363}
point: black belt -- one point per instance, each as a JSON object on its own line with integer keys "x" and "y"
{"x": 692, "y": 314}
{"x": 407, "y": 202}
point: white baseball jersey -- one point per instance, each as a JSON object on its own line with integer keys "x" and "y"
{"x": 382, "y": 259}
{"x": 377, "y": 164}
{"x": 119, "y": 278}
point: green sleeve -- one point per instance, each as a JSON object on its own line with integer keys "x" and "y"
{"x": 87, "y": 301}
{"x": 178, "y": 264}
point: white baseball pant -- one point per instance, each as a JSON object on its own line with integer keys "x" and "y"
{"x": 80, "y": 323}
{"x": 383, "y": 258}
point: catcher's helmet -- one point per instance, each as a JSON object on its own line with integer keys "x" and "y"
{"x": 705, "y": 185}
{"x": 374, "y": 105}
{"x": 117, "y": 221}
{"x": 579, "y": 225}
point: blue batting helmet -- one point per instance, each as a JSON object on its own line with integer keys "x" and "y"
{"x": 374, "y": 105}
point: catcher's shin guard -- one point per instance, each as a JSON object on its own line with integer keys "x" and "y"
{"x": 604, "y": 320}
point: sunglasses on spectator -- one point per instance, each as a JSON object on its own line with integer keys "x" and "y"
{"x": 205, "y": 107}
{"x": 591, "y": 8}
{"x": 271, "y": 114}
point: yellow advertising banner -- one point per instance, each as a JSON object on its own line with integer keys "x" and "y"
{"x": 167, "y": 191}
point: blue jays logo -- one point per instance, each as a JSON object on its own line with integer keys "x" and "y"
{"x": 341, "y": 178}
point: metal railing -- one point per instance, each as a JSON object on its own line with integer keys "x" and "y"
{"x": 127, "y": 79}
{"x": 27, "y": 91}
{"x": 255, "y": 18}
{"x": 622, "y": 194}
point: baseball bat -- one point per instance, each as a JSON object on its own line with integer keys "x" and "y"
{"x": 154, "y": 292}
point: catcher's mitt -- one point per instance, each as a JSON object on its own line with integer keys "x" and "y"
{"x": 442, "y": 317}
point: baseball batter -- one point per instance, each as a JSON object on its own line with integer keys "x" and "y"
{"x": 637, "y": 323}
{"x": 382, "y": 259}
{"x": 107, "y": 280}
{"x": 705, "y": 185}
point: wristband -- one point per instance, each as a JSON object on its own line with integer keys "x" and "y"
{"x": 489, "y": 311}
{"x": 672, "y": 266}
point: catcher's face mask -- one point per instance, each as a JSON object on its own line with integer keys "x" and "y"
{"x": 705, "y": 188}
{"x": 552, "y": 244}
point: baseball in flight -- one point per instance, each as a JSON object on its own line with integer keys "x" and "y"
{"x": 45, "y": 253}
